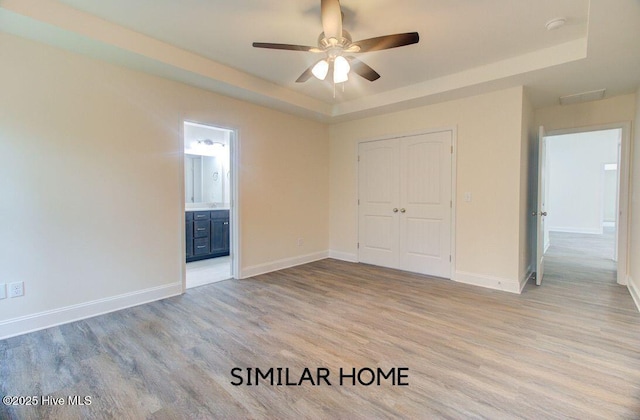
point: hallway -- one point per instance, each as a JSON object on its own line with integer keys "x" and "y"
{"x": 579, "y": 257}
{"x": 579, "y": 269}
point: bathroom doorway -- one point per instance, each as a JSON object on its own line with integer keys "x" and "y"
{"x": 209, "y": 187}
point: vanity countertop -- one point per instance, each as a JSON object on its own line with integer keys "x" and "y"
{"x": 206, "y": 208}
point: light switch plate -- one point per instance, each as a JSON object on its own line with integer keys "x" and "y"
{"x": 16, "y": 289}
{"x": 3, "y": 291}
{"x": 467, "y": 197}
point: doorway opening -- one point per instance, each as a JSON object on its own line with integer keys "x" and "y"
{"x": 583, "y": 212}
{"x": 210, "y": 216}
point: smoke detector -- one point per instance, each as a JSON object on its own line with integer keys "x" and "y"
{"x": 555, "y": 23}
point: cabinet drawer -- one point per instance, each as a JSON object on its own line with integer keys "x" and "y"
{"x": 200, "y": 246}
{"x": 200, "y": 215}
{"x": 201, "y": 228}
{"x": 220, "y": 214}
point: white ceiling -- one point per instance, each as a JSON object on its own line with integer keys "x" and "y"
{"x": 466, "y": 46}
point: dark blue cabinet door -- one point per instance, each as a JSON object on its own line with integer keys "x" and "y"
{"x": 207, "y": 234}
{"x": 189, "y": 237}
{"x": 220, "y": 236}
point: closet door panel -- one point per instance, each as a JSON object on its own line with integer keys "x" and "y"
{"x": 425, "y": 197}
{"x": 423, "y": 237}
{"x": 404, "y": 211}
{"x": 378, "y": 177}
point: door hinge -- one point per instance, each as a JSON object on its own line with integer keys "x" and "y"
{"x": 358, "y": 158}
{"x": 451, "y": 149}
{"x": 358, "y": 201}
{"x": 358, "y": 245}
{"x": 449, "y": 258}
{"x": 451, "y": 204}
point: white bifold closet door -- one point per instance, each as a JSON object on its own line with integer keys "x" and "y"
{"x": 405, "y": 203}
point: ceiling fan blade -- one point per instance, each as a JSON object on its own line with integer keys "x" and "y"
{"x": 288, "y": 47}
{"x": 306, "y": 75}
{"x": 331, "y": 18}
{"x": 387, "y": 41}
{"x": 363, "y": 69}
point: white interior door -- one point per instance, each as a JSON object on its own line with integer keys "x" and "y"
{"x": 405, "y": 203}
{"x": 379, "y": 196}
{"x": 425, "y": 206}
{"x": 618, "y": 213}
{"x": 542, "y": 208}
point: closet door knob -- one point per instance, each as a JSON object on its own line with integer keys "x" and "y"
{"x": 395, "y": 210}
{"x": 402, "y": 211}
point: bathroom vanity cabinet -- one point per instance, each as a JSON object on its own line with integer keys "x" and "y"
{"x": 207, "y": 234}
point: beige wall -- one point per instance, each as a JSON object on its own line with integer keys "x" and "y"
{"x": 611, "y": 110}
{"x": 489, "y": 137}
{"x": 634, "y": 252}
{"x": 91, "y": 179}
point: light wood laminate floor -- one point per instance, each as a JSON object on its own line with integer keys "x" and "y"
{"x": 567, "y": 349}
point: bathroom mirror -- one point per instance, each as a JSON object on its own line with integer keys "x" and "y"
{"x": 206, "y": 167}
{"x": 204, "y": 180}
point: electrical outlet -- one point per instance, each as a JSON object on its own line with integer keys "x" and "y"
{"x": 3, "y": 291}
{"x": 16, "y": 289}
{"x": 300, "y": 241}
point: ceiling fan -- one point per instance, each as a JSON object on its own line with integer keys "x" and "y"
{"x": 335, "y": 42}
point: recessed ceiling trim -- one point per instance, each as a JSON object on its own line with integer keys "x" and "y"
{"x": 553, "y": 56}
{"x": 63, "y": 17}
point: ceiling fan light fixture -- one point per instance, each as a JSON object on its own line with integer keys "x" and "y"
{"x": 334, "y": 41}
{"x": 321, "y": 69}
{"x": 341, "y": 65}
{"x": 340, "y": 77}
{"x": 341, "y": 69}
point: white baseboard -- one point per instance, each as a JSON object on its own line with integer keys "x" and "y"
{"x": 256, "y": 270}
{"x": 490, "y": 282}
{"x": 343, "y": 256}
{"x": 525, "y": 279}
{"x": 47, "y": 319}
{"x": 594, "y": 231}
{"x": 634, "y": 290}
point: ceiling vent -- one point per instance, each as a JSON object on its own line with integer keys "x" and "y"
{"x": 592, "y": 95}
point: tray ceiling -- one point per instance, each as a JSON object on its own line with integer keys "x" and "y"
{"x": 466, "y": 47}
